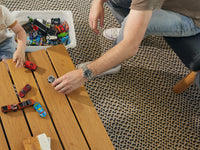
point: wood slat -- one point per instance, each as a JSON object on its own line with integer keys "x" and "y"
{"x": 38, "y": 125}
{"x": 14, "y": 122}
{"x": 3, "y": 143}
{"x": 87, "y": 116}
{"x": 58, "y": 105}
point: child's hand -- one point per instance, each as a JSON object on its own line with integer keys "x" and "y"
{"x": 19, "y": 55}
{"x": 19, "y": 58}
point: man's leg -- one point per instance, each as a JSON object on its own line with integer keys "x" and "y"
{"x": 166, "y": 23}
{"x": 173, "y": 25}
{"x": 120, "y": 9}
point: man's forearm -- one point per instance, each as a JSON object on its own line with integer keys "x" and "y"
{"x": 113, "y": 57}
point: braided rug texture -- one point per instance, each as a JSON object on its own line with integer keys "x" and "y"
{"x": 136, "y": 105}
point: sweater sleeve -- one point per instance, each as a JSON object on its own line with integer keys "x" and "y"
{"x": 146, "y": 4}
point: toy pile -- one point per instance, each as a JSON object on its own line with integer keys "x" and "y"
{"x": 46, "y": 32}
{"x": 21, "y": 105}
{"x": 30, "y": 102}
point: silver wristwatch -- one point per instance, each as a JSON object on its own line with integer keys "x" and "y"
{"x": 87, "y": 73}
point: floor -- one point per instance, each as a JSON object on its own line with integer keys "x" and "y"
{"x": 136, "y": 105}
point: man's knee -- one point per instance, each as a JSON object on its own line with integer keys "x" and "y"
{"x": 187, "y": 48}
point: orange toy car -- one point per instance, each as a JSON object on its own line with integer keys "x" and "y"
{"x": 7, "y": 108}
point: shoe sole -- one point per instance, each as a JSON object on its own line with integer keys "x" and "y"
{"x": 107, "y": 37}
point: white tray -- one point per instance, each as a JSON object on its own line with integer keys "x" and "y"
{"x": 22, "y": 17}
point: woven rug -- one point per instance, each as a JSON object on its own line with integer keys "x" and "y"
{"x": 136, "y": 105}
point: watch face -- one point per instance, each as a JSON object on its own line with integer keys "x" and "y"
{"x": 88, "y": 74}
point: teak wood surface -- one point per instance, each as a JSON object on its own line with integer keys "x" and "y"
{"x": 72, "y": 122}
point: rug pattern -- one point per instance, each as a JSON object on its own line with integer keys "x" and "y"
{"x": 136, "y": 105}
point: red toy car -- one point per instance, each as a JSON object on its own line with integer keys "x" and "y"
{"x": 30, "y": 65}
{"x": 23, "y": 92}
{"x": 24, "y": 104}
{"x": 60, "y": 28}
{"x": 7, "y": 108}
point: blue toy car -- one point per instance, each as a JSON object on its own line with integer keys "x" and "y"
{"x": 39, "y": 109}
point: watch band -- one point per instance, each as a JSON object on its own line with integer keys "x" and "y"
{"x": 87, "y": 73}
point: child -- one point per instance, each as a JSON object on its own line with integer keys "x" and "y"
{"x": 7, "y": 39}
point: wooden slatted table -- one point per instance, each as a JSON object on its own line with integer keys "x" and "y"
{"x": 72, "y": 121}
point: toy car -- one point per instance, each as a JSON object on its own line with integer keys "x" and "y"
{"x": 65, "y": 40}
{"x": 51, "y": 37}
{"x": 7, "y": 108}
{"x": 55, "y": 21}
{"x": 24, "y": 104}
{"x": 39, "y": 109}
{"x": 30, "y": 65}
{"x": 66, "y": 25}
{"x": 27, "y": 27}
{"x": 43, "y": 27}
{"x": 60, "y": 28}
{"x": 62, "y": 34}
{"x": 51, "y": 79}
{"x": 23, "y": 92}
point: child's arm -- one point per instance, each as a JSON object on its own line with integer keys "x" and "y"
{"x": 19, "y": 55}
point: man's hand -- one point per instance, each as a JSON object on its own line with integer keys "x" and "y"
{"x": 96, "y": 14}
{"x": 69, "y": 81}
